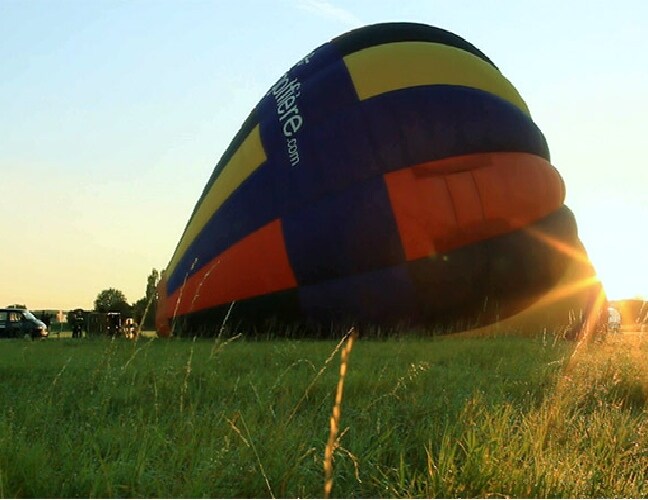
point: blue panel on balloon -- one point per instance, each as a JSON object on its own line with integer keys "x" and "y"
{"x": 347, "y": 233}
{"x": 381, "y": 295}
{"x": 429, "y": 123}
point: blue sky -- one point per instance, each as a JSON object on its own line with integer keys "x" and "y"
{"x": 114, "y": 113}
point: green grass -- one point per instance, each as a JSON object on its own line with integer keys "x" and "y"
{"x": 420, "y": 418}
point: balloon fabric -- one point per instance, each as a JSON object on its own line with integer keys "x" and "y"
{"x": 393, "y": 176}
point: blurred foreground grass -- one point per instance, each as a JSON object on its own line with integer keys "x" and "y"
{"x": 445, "y": 417}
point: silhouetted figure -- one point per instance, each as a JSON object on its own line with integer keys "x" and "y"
{"x": 75, "y": 319}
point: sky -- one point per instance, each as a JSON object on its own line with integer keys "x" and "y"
{"x": 113, "y": 115}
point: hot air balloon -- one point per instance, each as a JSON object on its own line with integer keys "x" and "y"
{"x": 391, "y": 176}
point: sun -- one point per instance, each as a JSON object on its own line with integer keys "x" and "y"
{"x": 616, "y": 242}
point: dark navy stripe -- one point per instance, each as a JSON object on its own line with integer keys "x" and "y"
{"x": 381, "y": 296}
{"x": 350, "y": 232}
{"x": 378, "y": 34}
{"x": 364, "y": 139}
{"x": 429, "y": 123}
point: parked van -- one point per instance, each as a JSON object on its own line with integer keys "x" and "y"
{"x": 21, "y": 323}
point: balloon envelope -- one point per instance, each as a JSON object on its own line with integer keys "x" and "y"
{"x": 393, "y": 175}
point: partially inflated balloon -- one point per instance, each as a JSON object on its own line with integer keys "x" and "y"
{"x": 393, "y": 175}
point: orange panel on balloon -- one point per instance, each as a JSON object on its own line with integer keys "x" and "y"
{"x": 518, "y": 188}
{"x": 423, "y": 209}
{"x": 256, "y": 265}
{"x": 465, "y": 196}
{"x": 442, "y": 205}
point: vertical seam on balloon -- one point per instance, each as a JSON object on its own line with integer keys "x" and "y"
{"x": 479, "y": 195}
{"x": 452, "y": 201}
{"x": 353, "y": 84}
{"x": 285, "y": 245}
{"x": 402, "y": 140}
{"x": 404, "y": 144}
{"x": 370, "y": 136}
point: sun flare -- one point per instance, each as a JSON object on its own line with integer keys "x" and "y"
{"x": 616, "y": 241}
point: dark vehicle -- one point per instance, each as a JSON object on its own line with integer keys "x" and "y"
{"x": 21, "y": 323}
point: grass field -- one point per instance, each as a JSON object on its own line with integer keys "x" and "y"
{"x": 444, "y": 417}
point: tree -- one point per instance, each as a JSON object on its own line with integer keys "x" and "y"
{"x": 151, "y": 285}
{"x": 139, "y": 308}
{"x": 112, "y": 300}
{"x": 147, "y": 304}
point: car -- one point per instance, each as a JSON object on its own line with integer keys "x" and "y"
{"x": 16, "y": 322}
